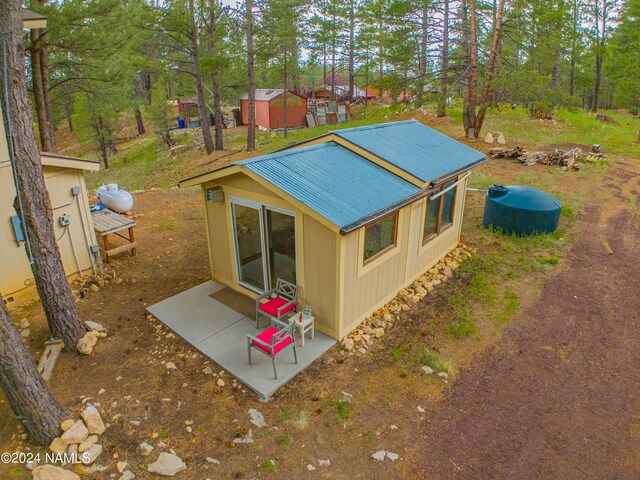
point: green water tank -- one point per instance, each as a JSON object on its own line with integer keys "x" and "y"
{"x": 521, "y": 210}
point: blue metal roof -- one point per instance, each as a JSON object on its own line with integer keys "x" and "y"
{"x": 415, "y": 148}
{"x": 340, "y": 185}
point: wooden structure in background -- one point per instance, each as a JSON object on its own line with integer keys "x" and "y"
{"x": 270, "y": 109}
{"x": 105, "y": 223}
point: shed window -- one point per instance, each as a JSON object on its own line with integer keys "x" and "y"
{"x": 380, "y": 237}
{"x": 440, "y": 211}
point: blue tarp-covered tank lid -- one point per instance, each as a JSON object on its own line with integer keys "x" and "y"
{"x": 523, "y": 198}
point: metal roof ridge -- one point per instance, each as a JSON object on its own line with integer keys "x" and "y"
{"x": 286, "y": 153}
{"x": 376, "y": 125}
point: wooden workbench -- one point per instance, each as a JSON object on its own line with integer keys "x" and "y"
{"x": 107, "y": 222}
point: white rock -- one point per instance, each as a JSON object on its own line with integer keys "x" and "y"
{"x": 256, "y": 418}
{"x": 501, "y": 139}
{"x": 95, "y": 326}
{"x": 24, "y": 323}
{"x": 146, "y": 448}
{"x": 427, "y": 369}
{"x": 93, "y": 420}
{"x": 127, "y": 475}
{"x": 393, "y": 427}
{"x": 213, "y": 460}
{"x": 246, "y": 439}
{"x": 379, "y": 455}
{"x": 207, "y": 370}
{"x": 310, "y": 467}
{"x": 121, "y": 466}
{"x": 420, "y": 409}
{"x": 324, "y": 463}
{"x": 91, "y": 454}
{"x": 76, "y": 434}
{"x": 489, "y": 138}
{"x": 167, "y": 464}
{"x": 444, "y": 375}
{"x": 392, "y": 456}
{"x": 87, "y": 342}
{"x": 171, "y": 366}
{"x": 51, "y": 472}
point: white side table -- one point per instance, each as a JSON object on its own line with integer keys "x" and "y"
{"x": 303, "y": 325}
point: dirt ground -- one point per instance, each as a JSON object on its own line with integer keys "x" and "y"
{"x": 559, "y": 396}
{"x": 555, "y": 396}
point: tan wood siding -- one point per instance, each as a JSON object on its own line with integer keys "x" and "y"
{"x": 363, "y": 292}
{"x": 15, "y": 271}
{"x": 220, "y": 251}
{"x": 320, "y": 275}
{"x": 423, "y": 257}
{"x": 366, "y": 290}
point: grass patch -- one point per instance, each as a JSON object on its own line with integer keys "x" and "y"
{"x": 342, "y": 408}
{"x": 302, "y": 420}
{"x": 285, "y": 440}
{"x": 435, "y": 361}
{"x": 269, "y": 466}
{"x": 461, "y": 329}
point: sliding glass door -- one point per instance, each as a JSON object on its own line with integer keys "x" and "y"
{"x": 249, "y": 246}
{"x": 265, "y": 241}
{"x": 281, "y": 244}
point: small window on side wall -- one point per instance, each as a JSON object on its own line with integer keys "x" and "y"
{"x": 440, "y": 210}
{"x": 380, "y": 237}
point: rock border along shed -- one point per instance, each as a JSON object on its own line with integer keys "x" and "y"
{"x": 352, "y": 217}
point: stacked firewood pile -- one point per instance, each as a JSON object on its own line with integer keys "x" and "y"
{"x": 572, "y": 159}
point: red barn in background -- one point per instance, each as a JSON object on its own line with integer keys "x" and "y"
{"x": 270, "y": 109}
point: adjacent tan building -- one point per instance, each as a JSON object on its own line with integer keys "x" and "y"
{"x": 65, "y": 183}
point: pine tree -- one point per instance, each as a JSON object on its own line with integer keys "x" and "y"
{"x": 32, "y": 202}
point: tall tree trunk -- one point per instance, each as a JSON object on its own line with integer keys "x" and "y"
{"x": 197, "y": 77}
{"x": 284, "y": 94}
{"x": 600, "y": 40}
{"x": 104, "y": 152}
{"x": 251, "y": 78}
{"x": 32, "y": 201}
{"x": 38, "y": 96}
{"x": 214, "y": 10}
{"x": 46, "y": 90}
{"x": 351, "y": 50}
{"x": 424, "y": 40}
{"x": 444, "y": 64}
{"x": 574, "y": 41}
{"x": 23, "y": 386}
{"x": 139, "y": 122}
{"x": 491, "y": 64}
{"x": 68, "y": 109}
{"x": 380, "y": 53}
{"x": 555, "y": 71}
{"x": 473, "y": 66}
{"x": 333, "y": 51}
{"x": 466, "y": 50}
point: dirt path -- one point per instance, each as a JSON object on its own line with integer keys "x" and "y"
{"x": 559, "y": 395}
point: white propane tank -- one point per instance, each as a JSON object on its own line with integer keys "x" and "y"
{"x": 115, "y": 199}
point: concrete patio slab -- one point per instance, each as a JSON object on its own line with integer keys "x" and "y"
{"x": 219, "y": 332}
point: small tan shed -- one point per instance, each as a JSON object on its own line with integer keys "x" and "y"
{"x": 66, "y": 186}
{"x": 351, "y": 217}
